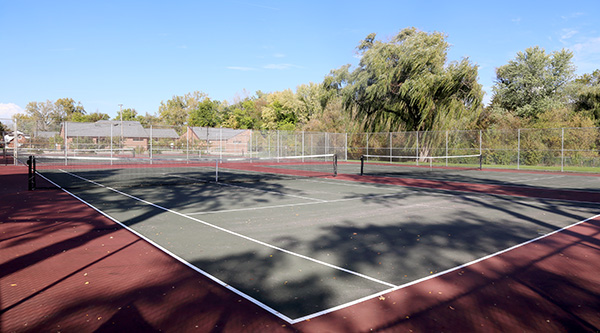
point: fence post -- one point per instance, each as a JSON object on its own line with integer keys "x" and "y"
{"x": 480, "y": 150}
{"x": 417, "y": 148}
{"x": 391, "y": 147}
{"x": 111, "y": 145}
{"x": 446, "y": 147}
{"x": 562, "y": 150}
{"x": 66, "y": 128}
{"x": 150, "y": 144}
{"x": 346, "y": 147}
{"x": 15, "y": 144}
{"x": 518, "y": 149}
{"x": 367, "y": 144}
{"x": 302, "y": 145}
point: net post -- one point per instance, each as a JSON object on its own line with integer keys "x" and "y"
{"x": 362, "y": 164}
{"x": 30, "y": 173}
{"x": 335, "y": 163}
{"x": 480, "y": 161}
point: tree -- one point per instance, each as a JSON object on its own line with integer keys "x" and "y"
{"x": 89, "y": 118}
{"x": 176, "y": 110}
{"x": 533, "y": 82}
{"x": 204, "y": 114}
{"x": 43, "y": 114}
{"x": 406, "y": 84}
{"x": 126, "y": 114}
{"x": 279, "y": 112}
{"x": 243, "y": 115}
{"x": 587, "y": 94}
{"x": 66, "y": 109}
{"x": 312, "y": 99}
{"x": 148, "y": 119}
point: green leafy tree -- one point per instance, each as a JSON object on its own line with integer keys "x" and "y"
{"x": 126, "y": 114}
{"x": 407, "y": 84}
{"x": 205, "y": 114}
{"x": 66, "y": 109}
{"x": 587, "y": 94}
{"x": 89, "y": 118}
{"x": 312, "y": 99}
{"x": 533, "y": 82}
{"x": 148, "y": 120}
{"x": 279, "y": 112}
{"x": 177, "y": 110}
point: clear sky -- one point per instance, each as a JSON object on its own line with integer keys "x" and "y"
{"x": 139, "y": 53}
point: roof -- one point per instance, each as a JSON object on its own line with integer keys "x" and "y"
{"x": 216, "y": 134}
{"x": 159, "y": 133}
{"x": 46, "y": 134}
{"x": 129, "y": 129}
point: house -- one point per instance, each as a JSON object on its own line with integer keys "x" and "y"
{"x": 162, "y": 133}
{"x": 45, "y": 134}
{"x": 134, "y": 135}
{"x": 220, "y": 140}
{"x": 9, "y": 138}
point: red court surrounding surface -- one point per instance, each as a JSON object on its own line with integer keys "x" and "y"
{"x": 64, "y": 267}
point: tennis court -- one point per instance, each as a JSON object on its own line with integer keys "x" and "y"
{"x": 304, "y": 243}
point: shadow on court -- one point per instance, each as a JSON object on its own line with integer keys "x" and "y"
{"x": 90, "y": 274}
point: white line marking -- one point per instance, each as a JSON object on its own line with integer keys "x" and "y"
{"x": 316, "y": 314}
{"x": 227, "y": 231}
{"x": 255, "y": 208}
{"x": 534, "y": 179}
{"x": 257, "y": 190}
{"x": 306, "y": 203}
{"x": 183, "y": 261}
{"x": 450, "y": 270}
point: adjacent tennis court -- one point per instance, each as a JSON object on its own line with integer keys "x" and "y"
{"x": 305, "y": 237}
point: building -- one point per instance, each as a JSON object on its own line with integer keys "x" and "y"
{"x": 220, "y": 140}
{"x": 133, "y": 134}
{"x": 9, "y": 139}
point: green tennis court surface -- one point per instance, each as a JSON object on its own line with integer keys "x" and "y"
{"x": 306, "y": 246}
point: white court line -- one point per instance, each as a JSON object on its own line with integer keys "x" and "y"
{"x": 296, "y": 204}
{"x": 183, "y": 261}
{"x": 257, "y": 189}
{"x": 316, "y": 314}
{"x": 450, "y": 270}
{"x": 264, "y": 306}
{"x": 534, "y": 179}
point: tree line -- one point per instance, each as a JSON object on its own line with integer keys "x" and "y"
{"x": 405, "y": 83}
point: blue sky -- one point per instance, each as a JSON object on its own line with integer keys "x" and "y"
{"x": 139, "y": 53}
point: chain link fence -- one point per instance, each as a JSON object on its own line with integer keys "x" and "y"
{"x": 560, "y": 149}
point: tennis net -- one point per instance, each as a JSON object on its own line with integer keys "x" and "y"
{"x": 390, "y": 165}
{"x": 84, "y": 172}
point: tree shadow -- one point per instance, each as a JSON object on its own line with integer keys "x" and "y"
{"x": 400, "y": 252}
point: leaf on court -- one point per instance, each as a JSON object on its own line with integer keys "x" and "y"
{"x": 381, "y": 298}
{"x": 13, "y": 284}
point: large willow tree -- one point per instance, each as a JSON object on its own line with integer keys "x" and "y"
{"x": 406, "y": 84}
